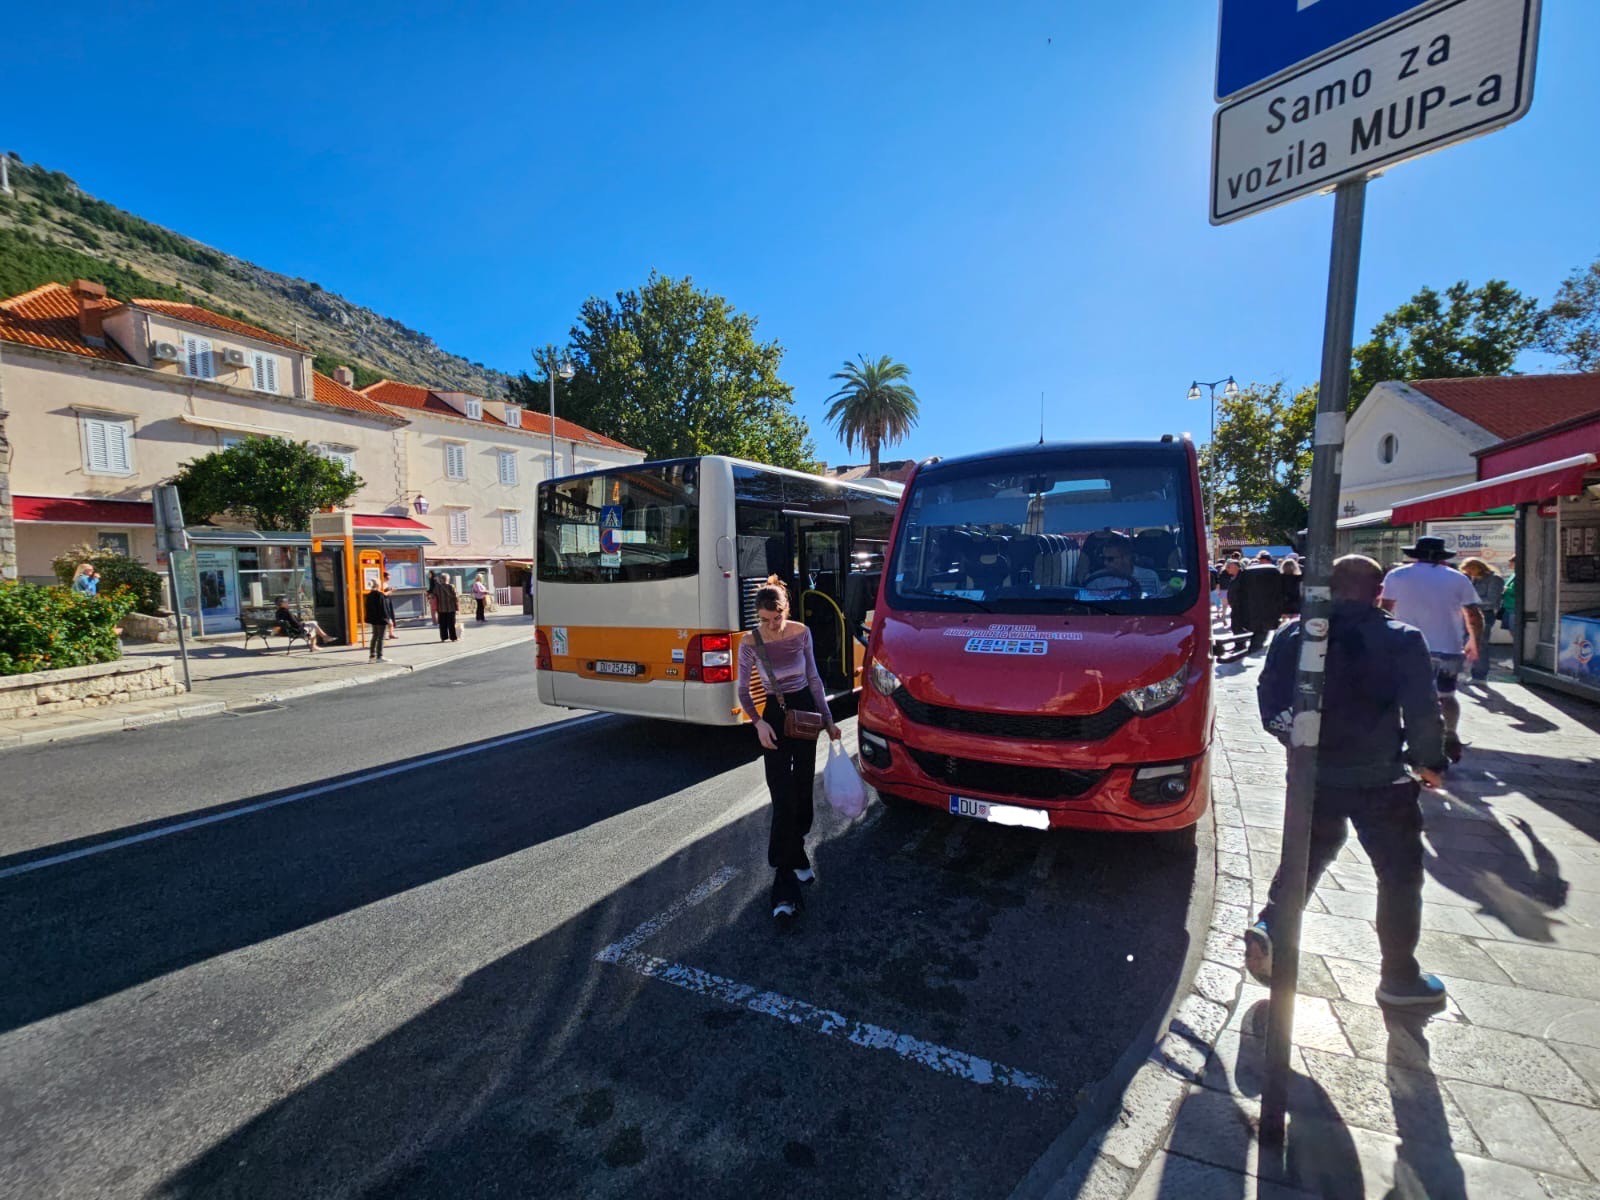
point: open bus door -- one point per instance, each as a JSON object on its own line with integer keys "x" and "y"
{"x": 821, "y": 543}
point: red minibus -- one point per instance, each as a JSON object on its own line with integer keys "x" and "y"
{"x": 1040, "y": 654}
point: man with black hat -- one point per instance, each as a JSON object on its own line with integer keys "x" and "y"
{"x": 1440, "y": 601}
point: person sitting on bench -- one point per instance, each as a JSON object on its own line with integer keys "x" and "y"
{"x": 294, "y": 627}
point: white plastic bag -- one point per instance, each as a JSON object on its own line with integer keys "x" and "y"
{"x": 842, "y": 785}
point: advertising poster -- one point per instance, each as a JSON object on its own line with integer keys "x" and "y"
{"x": 1493, "y": 541}
{"x": 219, "y": 599}
{"x": 1578, "y": 649}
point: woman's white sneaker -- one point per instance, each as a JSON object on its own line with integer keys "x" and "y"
{"x": 806, "y": 876}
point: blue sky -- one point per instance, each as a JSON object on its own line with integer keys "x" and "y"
{"x": 1009, "y": 198}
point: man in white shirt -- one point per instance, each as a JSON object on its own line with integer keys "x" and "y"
{"x": 1440, "y": 601}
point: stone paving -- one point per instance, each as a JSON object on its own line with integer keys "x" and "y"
{"x": 226, "y": 675}
{"x": 1497, "y": 1097}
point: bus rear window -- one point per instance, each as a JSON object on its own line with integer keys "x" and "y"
{"x": 657, "y": 526}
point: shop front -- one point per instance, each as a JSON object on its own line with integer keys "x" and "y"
{"x": 1556, "y": 540}
{"x": 233, "y": 576}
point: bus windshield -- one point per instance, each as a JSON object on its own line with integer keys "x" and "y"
{"x": 622, "y": 526}
{"x": 1073, "y": 531}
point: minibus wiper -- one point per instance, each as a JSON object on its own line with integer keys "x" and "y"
{"x": 978, "y": 604}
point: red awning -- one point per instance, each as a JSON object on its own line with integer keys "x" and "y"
{"x": 64, "y": 510}
{"x": 386, "y": 522}
{"x": 1562, "y": 478}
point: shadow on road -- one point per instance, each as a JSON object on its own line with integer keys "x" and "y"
{"x": 81, "y": 930}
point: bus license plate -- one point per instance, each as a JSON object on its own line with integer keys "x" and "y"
{"x": 999, "y": 814}
{"x": 607, "y": 667}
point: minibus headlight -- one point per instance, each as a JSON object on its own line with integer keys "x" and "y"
{"x": 885, "y": 680}
{"x": 1156, "y": 695}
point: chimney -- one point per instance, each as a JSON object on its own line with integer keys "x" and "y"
{"x": 91, "y": 310}
{"x": 345, "y": 376}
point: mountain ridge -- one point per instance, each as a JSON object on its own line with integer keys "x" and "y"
{"x": 51, "y": 229}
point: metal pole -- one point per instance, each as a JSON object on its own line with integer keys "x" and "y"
{"x": 1211, "y": 468}
{"x": 1334, "y": 390}
{"x": 177, "y": 611}
{"x": 551, "y": 368}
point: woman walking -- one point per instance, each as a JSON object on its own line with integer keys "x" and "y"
{"x": 1292, "y": 580}
{"x": 480, "y": 594}
{"x": 1490, "y": 586}
{"x": 781, "y": 650}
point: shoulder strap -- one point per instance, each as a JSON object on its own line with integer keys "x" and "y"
{"x": 771, "y": 681}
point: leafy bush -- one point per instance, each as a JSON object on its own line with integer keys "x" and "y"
{"x": 46, "y": 628}
{"x": 116, "y": 571}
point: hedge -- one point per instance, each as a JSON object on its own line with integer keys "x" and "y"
{"x": 116, "y": 571}
{"x": 47, "y": 628}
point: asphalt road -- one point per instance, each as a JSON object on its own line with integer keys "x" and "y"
{"x": 534, "y": 967}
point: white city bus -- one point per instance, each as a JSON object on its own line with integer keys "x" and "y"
{"x": 647, "y": 578}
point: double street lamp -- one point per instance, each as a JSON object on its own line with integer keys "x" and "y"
{"x": 566, "y": 370}
{"x": 1230, "y": 389}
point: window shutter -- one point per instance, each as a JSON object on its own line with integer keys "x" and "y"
{"x": 510, "y": 528}
{"x": 459, "y": 528}
{"x": 271, "y": 372}
{"x": 508, "y": 468}
{"x": 117, "y": 457}
{"x": 455, "y": 460}
{"x": 264, "y": 370}
{"x": 94, "y": 433}
{"x": 197, "y": 356}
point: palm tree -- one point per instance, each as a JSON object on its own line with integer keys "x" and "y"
{"x": 873, "y": 407}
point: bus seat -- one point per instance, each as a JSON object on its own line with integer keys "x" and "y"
{"x": 1153, "y": 548}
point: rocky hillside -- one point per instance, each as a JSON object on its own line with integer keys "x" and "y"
{"x": 52, "y": 230}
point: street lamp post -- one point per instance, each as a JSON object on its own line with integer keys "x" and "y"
{"x": 1230, "y": 389}
{"x": 566, "y": 370}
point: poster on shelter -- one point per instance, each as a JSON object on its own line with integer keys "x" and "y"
{"x": 1493, "y": 541}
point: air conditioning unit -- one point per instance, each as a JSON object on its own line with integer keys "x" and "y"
{"x": 165, "y": 352}
{"x": 233, "y": 357}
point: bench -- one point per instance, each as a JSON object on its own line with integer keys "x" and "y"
{"x": 266, "y": 630}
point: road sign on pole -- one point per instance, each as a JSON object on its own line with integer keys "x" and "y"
{"x": 611, "y": 535}
{"x": 170, "y": 539}
{"x": 1258, "y": 40}
{"x": 1455, "y": 71}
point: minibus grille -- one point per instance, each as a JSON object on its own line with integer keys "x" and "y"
{"x": 1091, "y": 727}
{"x": 1037, "y": 783}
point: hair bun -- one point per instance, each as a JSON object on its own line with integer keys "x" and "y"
{"x": 774, "y": 581}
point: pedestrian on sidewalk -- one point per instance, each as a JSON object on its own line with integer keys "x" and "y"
{"x": 379, "y": 612}
{"x": 781, "y": 650}
{"x": 1508, "y": 602}
{"x": 1490, "y": 586}
{"x": 1292, "y": 579}
{"x": 1379, "y": 715}
{"x": 86, "y": 580}
{"x": 442, "y": 596}
{"x": 1440, "y": 601}
{"x": 480, "y": 594}
{"x": 1256, "y": 598}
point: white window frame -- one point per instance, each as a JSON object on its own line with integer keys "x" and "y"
{"x": 229, "y": 440}
{"x": 459, "y": 526}
{"x": 114, "y": 455}
{"x": 474, "y": 410}
{"x": 126, "y": 536}
{"x": 199, "y": 362}
{"x": 455, "y": 461}
{"x": 510, "y": 527}
{"x": 513, "y": 417}
{"x": 264, "y": 372}
{"x": 339, "y": 454}
{"x": 504, "y": 459}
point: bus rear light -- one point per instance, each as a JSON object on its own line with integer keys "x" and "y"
{"x": 709, "y": 658}
{"x": 542, "y": 660}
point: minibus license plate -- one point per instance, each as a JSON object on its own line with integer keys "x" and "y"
{"x": 999, "y": 814}
{"x": 607, "y": 667}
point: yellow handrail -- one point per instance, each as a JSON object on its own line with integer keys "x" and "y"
{"x": 844, "y": 632}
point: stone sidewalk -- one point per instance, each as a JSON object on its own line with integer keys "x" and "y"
{"x": 226, "y": 675}
{"x": 1498, "y": 1097}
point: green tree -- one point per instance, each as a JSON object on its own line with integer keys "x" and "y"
{"x": 675, "y": 371}
{"x": 1570, "y": 327}
{"x": 1260, "y": 460}
{"x": 875, "y": 406}
{"x": 273, "y": 483}
{"x": 1466, "y": 331}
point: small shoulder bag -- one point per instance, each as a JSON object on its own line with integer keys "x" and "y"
{"x": 806, "y": 726}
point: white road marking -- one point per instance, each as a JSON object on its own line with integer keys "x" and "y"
{"x": 822, "y": 1021}
{"x": 150, "y": 835}
{"x": 616, "y": 951}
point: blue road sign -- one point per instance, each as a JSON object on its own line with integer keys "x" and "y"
{"x": 611, "y": 516}
{"x": 1259, "y": 39}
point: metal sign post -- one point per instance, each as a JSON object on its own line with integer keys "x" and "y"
{"x": 1333, "y": 393}
{"x": 171, "y": 538}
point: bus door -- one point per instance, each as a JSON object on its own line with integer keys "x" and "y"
{"x": 821, "y": 543}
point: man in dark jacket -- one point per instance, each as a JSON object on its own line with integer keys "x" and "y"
{"x": 1379, "y": 713}
{"x": 379, "y": 612}
{"x": 445, "y": 604}
{"x": 1256, "y": 600}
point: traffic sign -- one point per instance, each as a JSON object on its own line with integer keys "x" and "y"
{"x": 611, "y": 535}
{"x": 1259, "y": 39}
{"x": 1451, "y": 72}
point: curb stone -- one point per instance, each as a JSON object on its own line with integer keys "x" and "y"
{"x": 1110, "y": 1164}
{"x": 205, "y": 708}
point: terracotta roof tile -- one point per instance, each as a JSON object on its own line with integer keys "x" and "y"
{"x": 409, "y": 395}
{"x": 47, "y": 317}
{"x": 1510, "y": 406}
{"x": 325, "y": 390}
{"x": 204, "y": 316}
